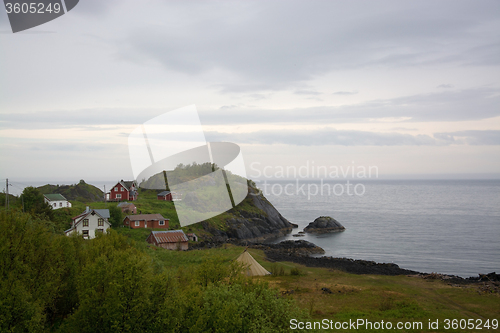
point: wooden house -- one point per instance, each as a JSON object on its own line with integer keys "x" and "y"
{"x": 169, "y": 196}
{"x": 153, "y": 221}
{"x": 56, "y": 201}
{"x": 90, "y": 222}
{"x": 127, "y": 207}
{"x": 123, "y": 191}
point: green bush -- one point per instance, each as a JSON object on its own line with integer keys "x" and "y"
{"x": 277, "y": 270}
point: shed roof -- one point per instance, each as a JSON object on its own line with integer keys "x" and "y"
{"x": 55, "y": 197}
{"x": 171, "y": 236}
{"x": 164, "y": 193}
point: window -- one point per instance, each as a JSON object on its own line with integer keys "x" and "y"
{"x": 85, "y": 222}
{"x": 121, "y": 189}
{"x": 55, "y": 205}
{"x": 162, "y": 222}
{"x": 67, "y": 204}
{"x": 60, "y": 204}
{"x": 137, "y": 223}
{"x": 85, "y": 233}
{"x": 116, "y": 189}
{"x": 118, "y": 196}
{"x": 100, "y": 222}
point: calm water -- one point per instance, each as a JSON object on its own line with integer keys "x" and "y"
{"x": 445, "y": 226}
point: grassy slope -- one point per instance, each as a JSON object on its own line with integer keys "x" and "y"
{"x": 388, "y": 298}
{"x": 372, "y": 297}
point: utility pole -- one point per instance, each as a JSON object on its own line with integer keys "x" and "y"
{"x": 7, "y": 194}
{"x": 105, "y": 195}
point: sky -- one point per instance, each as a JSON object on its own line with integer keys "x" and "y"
{"x": 410, "y": 87}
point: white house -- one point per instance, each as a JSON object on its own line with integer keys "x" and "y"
{"x": 56, "y": 201}
{"x": 90, "y": 222}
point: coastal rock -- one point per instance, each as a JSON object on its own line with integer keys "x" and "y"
{"x": 255, "y": 220}
{"x": 324, "y": 224}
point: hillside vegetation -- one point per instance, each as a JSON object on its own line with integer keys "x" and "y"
{"x": 54, "y": 283}
{"x": 82, "y": 191}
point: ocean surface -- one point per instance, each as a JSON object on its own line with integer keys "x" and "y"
{"x": 445, "y": 226}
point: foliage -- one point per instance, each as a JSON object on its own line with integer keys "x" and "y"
{"x": 296, "y": 271}
{"x": 33, "y": 269}
{"x": 82, "y": 191}
{"x": 32, "y": 201}
{"x": 51, "y": 282}
{"x": 115, "y": 216}
{"x": 277, "y": 270}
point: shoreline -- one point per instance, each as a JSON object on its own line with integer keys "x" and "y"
{"x": 300, "y": 251}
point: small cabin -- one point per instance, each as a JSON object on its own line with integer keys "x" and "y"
{"x": 56, "y": 201}
{"x": 169, "y": 196}
{"x": 170, "y": 240}
{"x": 127, "y": 207}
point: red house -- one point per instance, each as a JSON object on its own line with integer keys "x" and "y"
{"x": 123, "y": 191}
{"x": 128, "y": 207}
{"x": 153, "y": 221}
{"x": 169, "y": 196}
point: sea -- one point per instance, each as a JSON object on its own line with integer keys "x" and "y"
{"x": 444, "y": 226}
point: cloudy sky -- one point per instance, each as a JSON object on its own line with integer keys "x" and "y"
{"x": 411, "y": 87}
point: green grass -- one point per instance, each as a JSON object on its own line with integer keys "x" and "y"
{"x": 372, "y": 297}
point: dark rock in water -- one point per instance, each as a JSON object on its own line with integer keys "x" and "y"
{"x": 298, "y": 235}
{"x": 324, "y": 224}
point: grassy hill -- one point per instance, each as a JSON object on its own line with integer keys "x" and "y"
{"x": 82, "y": 191}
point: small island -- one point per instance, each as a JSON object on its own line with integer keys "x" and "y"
{"x": 323, "y": 225}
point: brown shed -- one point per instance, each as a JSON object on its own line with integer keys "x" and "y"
{"x": 170, "y": 240}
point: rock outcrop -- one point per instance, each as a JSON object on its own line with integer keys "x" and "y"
{"x": 324, "y": 224}
{"x": 255, "y": 220}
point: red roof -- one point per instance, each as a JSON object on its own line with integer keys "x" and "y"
{"x": 172, "y": 236}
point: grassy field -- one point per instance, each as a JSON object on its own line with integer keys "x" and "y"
{"x": 370, "y": 297}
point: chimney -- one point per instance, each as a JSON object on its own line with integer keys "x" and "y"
{"x": 87, "y": 209}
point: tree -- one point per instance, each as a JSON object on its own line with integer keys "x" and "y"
{"x": 115, "y": 216}
{"x": 32, "y": 202}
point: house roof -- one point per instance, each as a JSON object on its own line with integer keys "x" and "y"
{"x": 103, "y": 212}
{"x": 146, "y": 217}
{"x": 55, "y": 197}
{"x": 172, "y": 236}
{"x": 164, "y": 193}
{"x": 127, "y": 184}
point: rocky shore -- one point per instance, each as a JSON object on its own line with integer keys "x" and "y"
{"x": 300, "y": 252}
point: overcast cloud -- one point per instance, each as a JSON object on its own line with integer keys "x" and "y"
{"x": 373, "y": 75}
